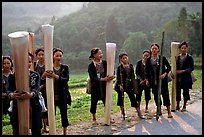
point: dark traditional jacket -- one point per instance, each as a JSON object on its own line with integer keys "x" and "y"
{"x": 34, "y": 83}
{"x": 188, "y": 66}
{"x": 97, "y": 86}
{"x": 150, "y": 73}
{"x": 41, "y": 70}
{"x": 64, "y": 95}
{"x": 126, "y": 78}
{"x": 5, "y": 100}
{"x": 140, "y": 70}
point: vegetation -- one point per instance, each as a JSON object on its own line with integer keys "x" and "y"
{"x": 132, "y": 26}
{"x": 80, "y": 108}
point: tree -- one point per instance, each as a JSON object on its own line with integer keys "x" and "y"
{"x": 113, "y": 33}
{"x": 170, "y": 35}
{"x": 183, "y": 24}
{"x": 195, "y": 36}
{"x": 6, "y": 46}
{"x": 135, "y": 44}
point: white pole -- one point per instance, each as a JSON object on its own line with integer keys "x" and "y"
{"x": 47, "y": 31}
{"x": 110, "y": 58}
{"x": 174, "y": 54}
{"x": 19, "y": 43}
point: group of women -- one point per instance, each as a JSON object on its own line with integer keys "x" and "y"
{"x": 146, "y": 72}
{"x": 37, "y": 84}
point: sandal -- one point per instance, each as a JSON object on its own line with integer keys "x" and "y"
{"x": 170, "y": 116}
{"x": 177, "y": 108}
{"x": 123, "y": 116}
{"x": 146, "y": 111}
{"x": 94, "y": 122}
{"x": 112, "y": 121}
{"x": 46, "y": 130}
{"x": 142, "y": 117}
{"x": 183, "y": 109}
{"x": 160, "y": 114}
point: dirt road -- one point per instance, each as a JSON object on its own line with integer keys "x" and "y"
{"x": 182, "y": 123}
{"x": 189, "y": 122}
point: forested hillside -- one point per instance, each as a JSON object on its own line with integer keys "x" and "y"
{"x": 30, "y": 15}
{"x": 131, "y": 25}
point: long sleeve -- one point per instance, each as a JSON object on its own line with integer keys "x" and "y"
{"x": 64, "y": 75}
{"x": 137, "y": 70}
{"x": 118, "y": 75}
{"x": 34, "y": 83}
{"x": 92, "y": 72}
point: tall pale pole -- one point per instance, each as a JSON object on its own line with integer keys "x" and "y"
{"x": 110, "y": 58}
{"x": 47, "y": 31}
{"x": 174, "y": 54}
{"x": 19, "y": 42}
{"x": 31, "y": 47}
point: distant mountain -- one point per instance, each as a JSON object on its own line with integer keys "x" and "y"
{"x": 20, "y": 15}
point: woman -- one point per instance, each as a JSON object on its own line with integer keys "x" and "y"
{"x": 6, "y": 71}
{"x": 185, "y": 65}
{"x": 125, "y": 75}
{"x": 97, "y": 70}
{"x": 152, "y": 77}
{"x": 140, "y": 73}
{"x": 40, "y": 68}
{"x": 60, "y": 74}
{"x": 36, "y": 117}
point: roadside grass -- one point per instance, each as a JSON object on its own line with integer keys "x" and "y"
{"x": 80, "y": 107}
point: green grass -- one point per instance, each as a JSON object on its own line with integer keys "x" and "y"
{"x": 198, "y": 83}
{"x": 80, "y": 108}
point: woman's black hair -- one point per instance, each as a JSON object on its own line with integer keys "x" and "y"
{"x": 155, "y": 45}
{"x": 9, "y": 58}
{"x": 148, "y": 51}
{"x": 38, "y": 50}
{"x": 56, "y": 50}
{"x": 93, "y": 52}
{"x": 122, "y": 54}
{"x": 183, "y": 43}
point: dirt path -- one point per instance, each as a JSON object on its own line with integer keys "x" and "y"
{"x": 86, "y": 128}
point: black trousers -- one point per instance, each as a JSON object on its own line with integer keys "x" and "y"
{"x": 131, "y": 96}
{"x": 146, "y": 92}
{"x": 186, "y": 95}
{"x": 164, "y": 93}
{"x": 94, "y": 100}
{"x": 36, "y": 117}
{"x": 63, "y": 113}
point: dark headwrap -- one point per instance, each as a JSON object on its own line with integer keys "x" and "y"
{"x": 183, "y": 43}
{"x": 38, "y": 50}
{"x": 56, "y": 50}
